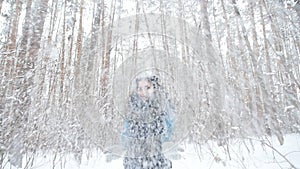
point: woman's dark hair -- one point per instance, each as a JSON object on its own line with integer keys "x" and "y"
{"x": 153, "y": 80}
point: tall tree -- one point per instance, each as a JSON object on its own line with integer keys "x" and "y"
{"x": 205, "y": 21}
{"x": 106, "y": 48}
{"x": 10, "y": 49}
{"x": 24, "y": 72}
{"x": 229, "y": 45}
{"x": 62, "y": 58}
{"x": 7, "y": 67}
{"x": 94, "y": 54}
{"x": 1, "y": 5}
{"x": 13, "y": 35}
{"x": 79, "y": 48}
{"x": 265, "y": 42}
{"x": 53, "y": 18}
{"x": 254, "y": 100}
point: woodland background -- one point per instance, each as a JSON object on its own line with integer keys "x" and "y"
{"x": 57, "y": 53}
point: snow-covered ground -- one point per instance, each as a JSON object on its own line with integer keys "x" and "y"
{"x": 238, "y": 154}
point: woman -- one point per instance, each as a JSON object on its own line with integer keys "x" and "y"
{"x": 148, "y": 124}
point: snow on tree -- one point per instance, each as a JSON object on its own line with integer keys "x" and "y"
{"x": 232, "y": 68}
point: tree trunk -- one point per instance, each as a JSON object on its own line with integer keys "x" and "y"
{"x": 10, "y": 48}
{"x": 13, "y": 34}
{"x": 217, "y": 29}
{"x": 79, "y": 49}
{"x": 257, "y": 73}
{"x": 38, "y": 27}
{"x": 265, "y": 42}
{"x": 181, "y": 28}
{"x": 1, "y": 5}
{"x": 254, "y": 101}
{"x": 205, "y": 20}
{"x": 94, "y": 47}
{"x": 16, "y": 141}
{"x": 62, "y": 60}
{"x": 106, "y": 49}
{"x": 23, "y": 77}
{"x": 52, "y": 18}
{"x": 228, "y": 37}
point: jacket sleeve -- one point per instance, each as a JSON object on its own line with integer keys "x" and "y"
{"x": 169, "y": 123}
{"x": 125, "y": 134}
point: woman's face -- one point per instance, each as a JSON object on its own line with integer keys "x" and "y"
{"x": 145, "y": 89}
